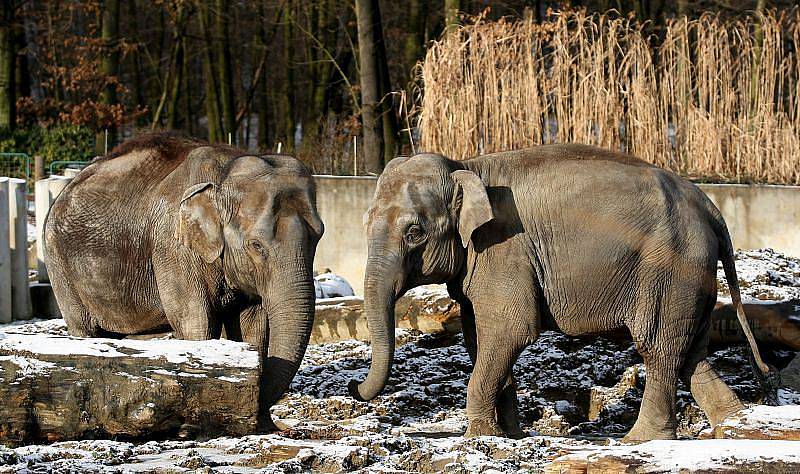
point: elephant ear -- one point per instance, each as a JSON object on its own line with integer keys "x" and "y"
{"x": 199, "y": 224}
{"x": 471, "y": 202}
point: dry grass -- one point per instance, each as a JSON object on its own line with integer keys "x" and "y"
{"x": 715, "y": 99}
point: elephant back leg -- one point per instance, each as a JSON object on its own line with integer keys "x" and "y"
{"x": 715, "y": 398}
{"x": 669, "y": 311}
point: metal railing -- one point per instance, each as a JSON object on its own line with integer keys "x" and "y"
{"x": 66, "y": 164}
{"x": 16, "y": 165}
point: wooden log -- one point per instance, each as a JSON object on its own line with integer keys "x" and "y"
{"x": 57, "y": 387}
{"x": 771, "y": 322}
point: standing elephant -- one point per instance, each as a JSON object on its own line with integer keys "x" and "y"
{"x": 565, "y": 237}
{"x": 168, "y": 232}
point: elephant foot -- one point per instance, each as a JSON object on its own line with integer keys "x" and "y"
{"x": 718, "y": 414}
{"x": 266, "y": 425}
{"x": 641, "y": 433}
{"x": 483, "y": 428}
{"x": 516, "y": 434}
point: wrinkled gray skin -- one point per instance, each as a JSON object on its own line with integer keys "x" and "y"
{"x": 565, "y": 237}
{"x": 169, "y": 233}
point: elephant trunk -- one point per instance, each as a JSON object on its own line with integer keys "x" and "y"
{"x": 290, "y": 309}
{"x": 380, "y": 293}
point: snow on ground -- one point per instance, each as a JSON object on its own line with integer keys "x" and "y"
{"x": 717, "y": 455}
{"x": 416, "y": 425}
{"x": 50, "y": 337}
{"x": 764, "y": 275}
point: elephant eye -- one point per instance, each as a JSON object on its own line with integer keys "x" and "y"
{"x": 255, "y": 245}
{"x": 414, "y": 234}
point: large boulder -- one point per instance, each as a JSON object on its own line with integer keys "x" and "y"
{"x": 57, "y": 387}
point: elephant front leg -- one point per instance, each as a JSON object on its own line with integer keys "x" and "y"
{"x": 490, "y": 398}
{"x": 506, "y": 408}
{"x": 254, "y": 329}
{"x": 188, "y": 310}
{"x": 504, "y": 325}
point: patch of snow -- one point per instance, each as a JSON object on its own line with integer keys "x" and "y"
{"x": 698, "y": 455}
{"x": 45, "y": 338}
{"x": 28, "y": 366}
{"x": 764, "y": 275}
{"x": 766, "y": 418}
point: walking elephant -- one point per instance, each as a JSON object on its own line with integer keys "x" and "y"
{"x": 565, "y": 237}
{"x": 168, "y": 232}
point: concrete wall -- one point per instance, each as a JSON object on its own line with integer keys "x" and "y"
{"x": 760, "y": 216}
{"x": 342, "y": 202}
{"x": 757, "y": 217}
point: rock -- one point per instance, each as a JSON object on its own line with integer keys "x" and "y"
{"x": 602, "y": 398}
{"x": 790, "y": 375}
{"x": 682, "y": 456}
{"x": 57, "y": 387}
{"x": 761, "y": 422}
{"x": 425, "y": 309}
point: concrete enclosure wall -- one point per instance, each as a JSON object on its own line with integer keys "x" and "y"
{"x": 757, "y": 217}
{"x": 342, "y": 202}
{"x": 760, "y": 216}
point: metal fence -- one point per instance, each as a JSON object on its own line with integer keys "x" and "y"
{"x": 21, "y": 165}
{"x": 61, "y": 165}
{"x": 16, "y": 165}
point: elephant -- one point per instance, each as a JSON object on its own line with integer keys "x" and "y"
{"x": 563, "y": 237}
{"x": 168, "y": 232}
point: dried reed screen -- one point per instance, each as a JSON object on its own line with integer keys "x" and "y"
{"x": 714, "y": 99}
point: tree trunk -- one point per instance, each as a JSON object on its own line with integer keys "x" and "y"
{"x": 22, "y": 74}
{"x": 415, "y": 41}
{"x": 223, "y": 50}
{"x": 109, "y": 67}
{"x": 322, "y": 70}
{"x": 209, "y": 75}
{"x": 367, "y": 11}
{"x": 288, "y": 90}
{"x": 189, "y": 111}
{"x": 7, "y": 64}
{"x": 175, "y": 88}
{"x": 177, "y": 66}
{"x": 262, "y": 102}
{"x": 122, "y": 388}
{"x": 137, "y": 90}
{"x": 388, "y": 116}
{"x": 451, "y": 9}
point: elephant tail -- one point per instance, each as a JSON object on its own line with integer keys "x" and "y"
{"x": 726, "y": 256}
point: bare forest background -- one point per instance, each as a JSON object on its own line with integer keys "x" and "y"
{"x": 709, "y": 88}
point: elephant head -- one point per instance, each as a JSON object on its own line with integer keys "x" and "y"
{"x": 254, "y": 219}
{"x": 422, "y": 217}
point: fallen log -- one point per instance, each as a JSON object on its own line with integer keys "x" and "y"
{"x": 57, "y": 387}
